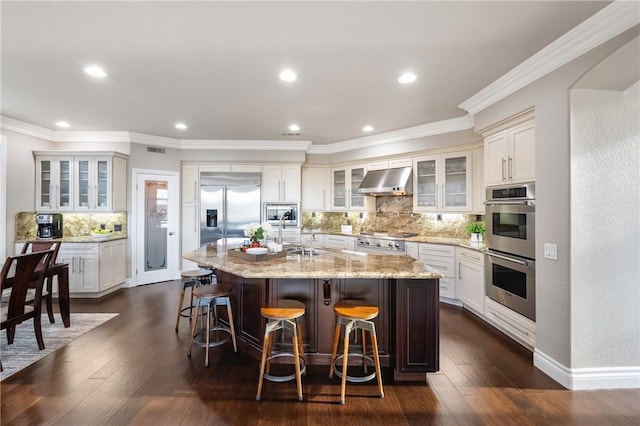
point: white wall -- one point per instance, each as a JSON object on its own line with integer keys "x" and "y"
{"x": 21, "y": 178}
{"x": 605, "y": 238}
{"x": 550, "y": 98}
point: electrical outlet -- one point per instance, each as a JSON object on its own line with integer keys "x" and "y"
{"x": 117, "y": 227}
{"x": 551, "y": 251}
{"x": 439, "y": 216}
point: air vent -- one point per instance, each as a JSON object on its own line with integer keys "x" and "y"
{"x": 290, "y": 134}
{"x": 156, "y": 150}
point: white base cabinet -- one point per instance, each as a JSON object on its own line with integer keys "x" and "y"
{"x": 95, "y": 269}
{"x": 340, "y": 242}
{"x": 441, "y": 257}
{"x": 514, "y": 325}
{"x": 470, "y": 280}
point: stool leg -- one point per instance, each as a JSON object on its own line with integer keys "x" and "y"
{"x": 364, "y": 352}
{"x": 300, "y": 341}
{"x": 296, "y": 362}
{"x": 334, "y": 352}
{"x": 208, "y": 332}
{"x": 376, "y": 360}
{"x": 180, "y": 307}
{"x": 269, "y": 349}
{"x": 193, "y": 332}
{"x": 345, "y": 359}
{"x": 263, "y": 361}
{"x": 233, "y": 330}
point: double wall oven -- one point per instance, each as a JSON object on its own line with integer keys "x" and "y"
{"x": 510, "y": 267}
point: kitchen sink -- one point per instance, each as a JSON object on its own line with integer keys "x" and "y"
{"x": 304, "y": 252}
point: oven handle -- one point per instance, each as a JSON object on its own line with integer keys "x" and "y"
{"x": 530, "y": 203}
{"x": 527, "y": 263}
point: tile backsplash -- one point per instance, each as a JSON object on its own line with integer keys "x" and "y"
{"x": 392, "y": 215}
{"x": 73, "y": 224}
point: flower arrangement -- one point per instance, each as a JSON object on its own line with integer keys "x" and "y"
{"x": 257, "y": 231}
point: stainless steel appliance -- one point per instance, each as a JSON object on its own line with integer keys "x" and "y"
{"x": 511, "y": 281}
{"x": 387, "y": 182}
{"x": 49, "y": 225}
{"x": 382, "y": 243}
{"x": 228, "y": 202}
{"x": 282, "y": 213}
{"x": 510, "y": 219}
{"x": 510, "y": 267}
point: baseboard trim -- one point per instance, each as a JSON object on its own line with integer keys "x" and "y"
{"x": 587, "y": 378}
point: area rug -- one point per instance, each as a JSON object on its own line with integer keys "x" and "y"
{"x": 24, "y": 350}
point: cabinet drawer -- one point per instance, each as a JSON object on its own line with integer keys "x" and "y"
{"x": 448, "y": 288}
{"x": 520, "y": 328}
{"x": 471, "y": 256}
{"x": 443, "y": 264}
{"x": 78, "y": 248}
{"x": 437, "y": 250}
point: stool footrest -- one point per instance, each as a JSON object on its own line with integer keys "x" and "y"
{"x": 355, "y": 379}
{"x": 212, "y": 343}
{"x": 274, "y": 378}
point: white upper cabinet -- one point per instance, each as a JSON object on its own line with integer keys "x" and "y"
{"x": 509, "y": 153}
{"x": 281, "y": 182}
{"x": 190, "y": 183}
{"x": 345, "y": 182}
{"x": 54, "y": 177}
{"x": 314, "y": 189}
{"x": 82, "y": 182}
{"x": 442, "y": 182}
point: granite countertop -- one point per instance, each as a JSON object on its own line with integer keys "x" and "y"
{"x": 328, "y": 264}
{"x": 81, "y": 239}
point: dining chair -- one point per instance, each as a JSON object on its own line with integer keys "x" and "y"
{"x": 26, "y": 274}
{"x": 47, "y": 293}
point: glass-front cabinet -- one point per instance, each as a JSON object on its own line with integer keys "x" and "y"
{"x": 81, "y": 181}
{"x": 53, "y": 184}
{"x": 345, "y": 182}
{"x": 93, "y": 184}
{"x": 443, "y": 182}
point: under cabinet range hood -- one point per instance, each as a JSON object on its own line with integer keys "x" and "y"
{"x": 387, "y": 182}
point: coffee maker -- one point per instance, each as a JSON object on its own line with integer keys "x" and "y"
{"x": 49, "y": 225}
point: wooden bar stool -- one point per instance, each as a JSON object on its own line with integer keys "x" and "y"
{"x": 191, "y": 279}
{"x": 282, "y": 315}
{"x": 208, "y": 298}
{"x": 355, "y": 315}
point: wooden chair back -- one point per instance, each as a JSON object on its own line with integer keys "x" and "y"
{"x": 39, "y": 245}
{"x": 25, "y": 274}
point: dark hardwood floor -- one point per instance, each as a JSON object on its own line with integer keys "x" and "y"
{"x": 134, "y": 370}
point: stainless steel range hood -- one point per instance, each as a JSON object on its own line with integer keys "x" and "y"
{"x": 387, "y": 182}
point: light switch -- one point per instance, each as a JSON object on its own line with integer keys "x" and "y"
{"x": 551, "y": 251}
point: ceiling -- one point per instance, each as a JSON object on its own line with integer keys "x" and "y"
{"x": 215, "y": 65}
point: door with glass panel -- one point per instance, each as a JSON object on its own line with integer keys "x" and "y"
{"x": 443, "y": 182}
{"x": 54, "y": 184}
{"x": 93, "y": 184}
{"x": 156, "y": 216}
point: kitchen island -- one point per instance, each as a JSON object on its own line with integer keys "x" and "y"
{"x": 405, "y": 291}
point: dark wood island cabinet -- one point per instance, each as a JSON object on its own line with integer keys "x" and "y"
{"x": 405, "y": 291}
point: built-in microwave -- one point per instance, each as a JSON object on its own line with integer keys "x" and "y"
{"x": 282, "y": 213}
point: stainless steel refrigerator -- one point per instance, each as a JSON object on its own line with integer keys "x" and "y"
{"x": 228, "y": 202}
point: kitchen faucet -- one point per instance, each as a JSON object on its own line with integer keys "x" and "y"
{"x": 280, "y": 228}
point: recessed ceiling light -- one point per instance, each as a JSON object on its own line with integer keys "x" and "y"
{"x": 63, "y": 124}
{"x": 367, "y": 129}
{"x": 294, "y": 127}
{"x": 407, "y": 77}
{"x": 95, "y": 71}
{"x": 181, "y": 126}
{"x": 288, "y": 75}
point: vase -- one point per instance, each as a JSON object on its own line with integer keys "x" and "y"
{"x": 476, "y": 238}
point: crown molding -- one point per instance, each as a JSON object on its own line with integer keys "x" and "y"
{"x": 245, "y": 145}
{"x": 145, "y": 139}
{"x": 612, "y": 20}
{"x": 18, "y": 126}
{"x": 437, "y": 128}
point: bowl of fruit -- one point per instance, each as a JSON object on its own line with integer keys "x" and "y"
{"x": 100, "y": 234}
